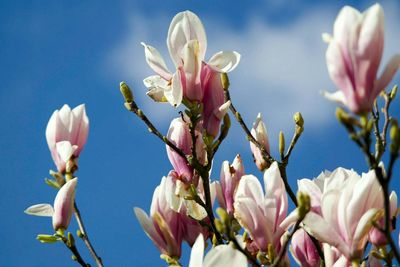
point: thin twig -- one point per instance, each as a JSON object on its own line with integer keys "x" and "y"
{"x": 74, "y": 251}
{"x": 85, "y": 237}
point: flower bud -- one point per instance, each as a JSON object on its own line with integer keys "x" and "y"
{"x": 67, "y": 125}
{"x": 303, "y": 250}
{"x": 64, "y": 205}
{"x": 126, "y": 92}
{"x": 259, "y": 132}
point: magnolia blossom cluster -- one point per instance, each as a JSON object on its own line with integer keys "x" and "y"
{"x": 345, "y": 210}
{"x": 340, "y": 218}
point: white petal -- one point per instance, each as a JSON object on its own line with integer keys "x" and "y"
{"x": 194, "y": 210}
{"x": 225, "y": 255}
{"x": 337, "y": 97}
{"x": 156, "y": 86}
{"x": 184, "y": 27}
{"x": 156, "y": 62}
{"x": 222, "y": 110}
{"x": 65, "y": 150}
{"x": 363, "y": 226}
{"x": 174, "y": 93}
{"x": 40, "y": 210}
{"x": 196, "y": 255}
{"x": 148, "y": 226}
{"x": 224, "y": 61}
{"x": 387, "y": 75}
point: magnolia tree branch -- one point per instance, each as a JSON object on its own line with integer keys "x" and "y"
{"x": 85, "y": 237}
{"x": 70, "y": 244}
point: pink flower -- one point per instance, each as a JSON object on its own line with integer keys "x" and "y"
{"x": 354, "y": 55}
{"x": 263, "y": 216}
{"x": 187, "y": 44}
{"x": 179, "y": 135}
{"x": 64, "y": 205}
{"x": 67, "y": 125}
{"x": 229, "y": 180}
{"x": 303, "y": 250}
{"x": 347, "y": 211}
{"x": 163, "y": 226}
{"x": 259, "y": 132}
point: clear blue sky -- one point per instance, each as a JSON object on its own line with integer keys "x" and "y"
{"x": 56, "y": 52}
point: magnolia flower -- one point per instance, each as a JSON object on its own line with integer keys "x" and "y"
{"x": 63, "y": 206}
{"x": 346, "y": 212}
{"x": 229, "y": 180}
{"x": 263, "y": 216}
{"x": 221, "y": 255}
{"x": 303, "y": 250}
{"x": 67, "y": 125}
{"x": 179, "y": 135}
{"x": 354, "y": 55}
{"x": 187, "y": 44}
{"x": 259, "y": 132}
{"x": 163, "y": 226}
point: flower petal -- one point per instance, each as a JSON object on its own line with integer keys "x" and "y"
{"x": 224, "y": 61}
{"x": 156, "y": 62}
{"x": 196, "y": 255}
{"x": 387, "y": 75}
{"x": 45, "y": 210}
{"x": 225, "y": 255}
{"x": 337, "y": 97}
{"x": 174, "y": 93}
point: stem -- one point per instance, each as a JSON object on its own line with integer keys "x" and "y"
{"x": 292, "y": 195}
{"x": 134, "y": 108}
{"x": 85, "y": 236}
{"x": 74, "y": 251}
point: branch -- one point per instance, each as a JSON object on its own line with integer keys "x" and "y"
{"x": 70, "y": 244}
{"x": 85, "y": 236}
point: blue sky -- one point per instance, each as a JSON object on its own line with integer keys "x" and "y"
{"x": 56, "y": 52}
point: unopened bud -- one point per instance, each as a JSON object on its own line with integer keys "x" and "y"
{"x": 281, "y": 143}
{"x": 79, "y": 234}
{"x": 298, "y": 119}
{"x": 304, "y": 204}
{"x": 223, "y": 215}
{"x": 225, "y": 81}
{"x": 393, "y": 92}
{"x": 348, "y": 121}
{"x": 47, "y": 238}
{"x": 126, "y": 92}
{"x": 71, "y": 240}
{"x": 394, "y": 137}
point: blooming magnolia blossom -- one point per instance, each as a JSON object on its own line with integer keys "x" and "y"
{"x": 263, "y": 216}
{"x": 347, "y": 207}
{"x": 354, "y": 55}
{"x": 229, "y": 180}
{"x": 67, "y": 125}
{"x": 163, "y": 226}
{"x": 221, "y": 255}
{"x": 259, "y": 132}
{"x": 63, "y": 206}
{"x": 187, "y": 44}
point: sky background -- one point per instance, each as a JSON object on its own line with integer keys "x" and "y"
{"x": 56, "y": 52}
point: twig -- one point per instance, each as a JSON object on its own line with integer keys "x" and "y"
{"x": 85, "y": 237}
{"x": 74, "y": 251}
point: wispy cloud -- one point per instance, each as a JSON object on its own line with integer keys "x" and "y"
{"x": 282, "y": 69}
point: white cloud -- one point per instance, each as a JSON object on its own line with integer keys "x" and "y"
{"x": 282, "y": 69}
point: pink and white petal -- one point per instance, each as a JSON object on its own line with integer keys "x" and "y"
{"x": 361, "y": 233}
{"x": 220, "y": 195}
{"x": 393, "y": 204}
{"x": 174, "y": 93}
{"x": 311, "y": 188}
{"x": 316, "y": 226}
{"x": 45, "y": 210}
{"x": 222, "y": 110}
{"x": 196, "y": 255}
{"x": 65, "y": 150}
{"x": 185, "y": 26}
{"x": 156, "y": 62}
{"x": 148, "y": 227}
{"x": 250, "y": 187}
{"x": 347, "y": 19}
{"x": 387, "y": 75}
{"x": 225, "y": 255}
{"x": 329, "y": 207}
{"x": 224, "y": 61}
